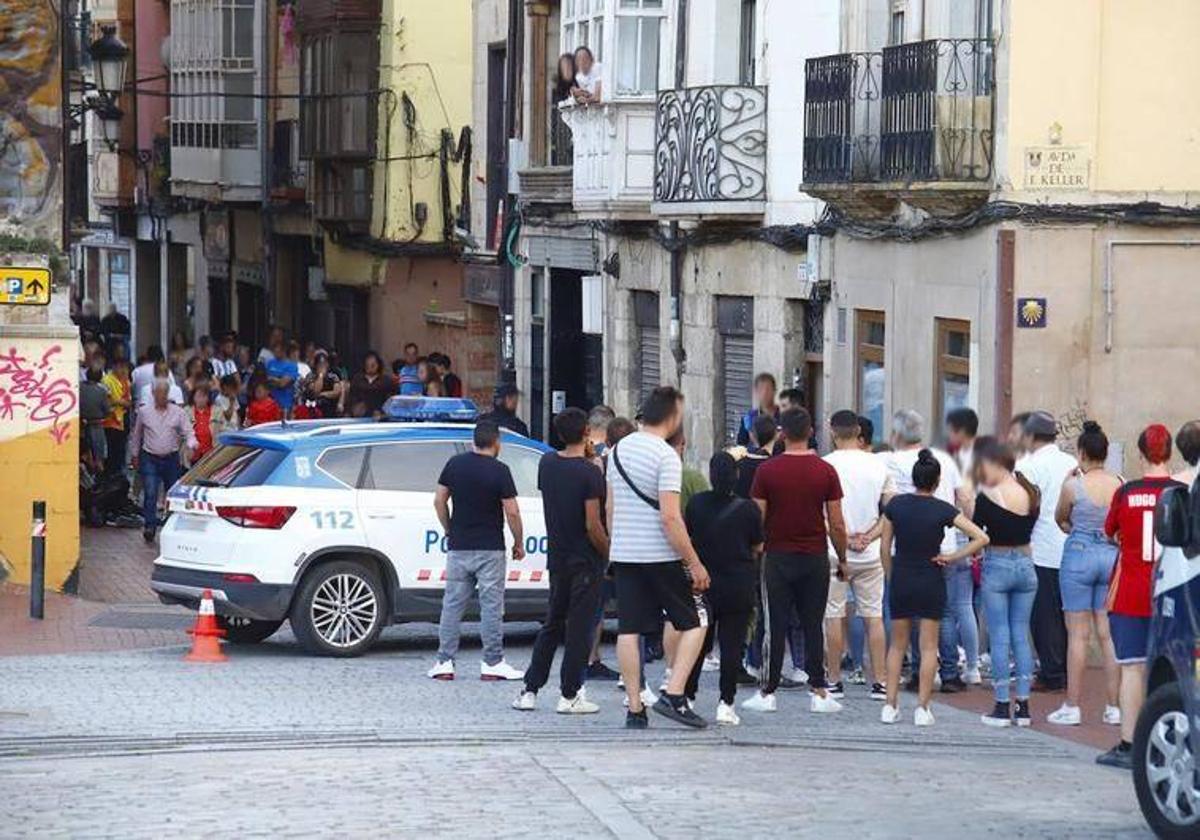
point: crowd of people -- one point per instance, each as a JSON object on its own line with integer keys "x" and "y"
{"x": 919, "y": 556}
{"x": 153, "y": 417}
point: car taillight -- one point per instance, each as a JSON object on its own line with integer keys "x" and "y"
{"x": 273, "y": 518}
{"x": 238, "y": 578}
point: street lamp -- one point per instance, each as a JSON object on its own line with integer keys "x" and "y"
{"x": 109, "y": 55}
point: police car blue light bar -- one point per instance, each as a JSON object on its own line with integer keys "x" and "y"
{"x": 430, "y": 409}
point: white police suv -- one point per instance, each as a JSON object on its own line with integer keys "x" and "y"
{"x": 329, "y": 524}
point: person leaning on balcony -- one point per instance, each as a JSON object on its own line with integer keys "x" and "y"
{"x": 564, "y": 79}
{"x": 589, "y": 78}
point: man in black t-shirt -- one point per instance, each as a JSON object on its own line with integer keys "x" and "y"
{"x": 572, "y": 487}
{"x": 475, "y": 495}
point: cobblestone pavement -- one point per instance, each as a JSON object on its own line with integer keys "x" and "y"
{"x": 140, "y": 743}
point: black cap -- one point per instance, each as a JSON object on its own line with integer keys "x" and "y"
{"x": 507, "y": 389}
{"x": 1041, "y": 424}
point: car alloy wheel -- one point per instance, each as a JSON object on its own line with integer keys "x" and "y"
{"x": 344, "y": 610}
{"x": 1171, "y": 769}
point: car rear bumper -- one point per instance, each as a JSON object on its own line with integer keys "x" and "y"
{"x": 259, "y": 601}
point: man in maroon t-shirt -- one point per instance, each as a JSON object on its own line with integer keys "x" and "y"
{"x": 798, "y": 491}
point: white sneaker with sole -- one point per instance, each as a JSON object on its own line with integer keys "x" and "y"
{"x": 1065, "y": 715}
{"x": 526, "y": 702}
{"x": 577, "y": 705}
{"x": 1112, "y": 715}
{"x": 798, "y": 675}
{"x": 711, "y": 663}
{"x": 971, "y": 676}
{"x": 500, "y": 671}
{"x": 666, "y": 681}
{"x": 759, "y": 702}
{"x": 922, "y": 717}
{"x": 726, "y": 716}
{"x": 824, "y": 705}
{"x": 441, "y": 670}
{"x": 649, "y": 698}
{"x": 889, "y": 714}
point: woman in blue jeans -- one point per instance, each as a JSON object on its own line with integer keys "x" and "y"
{"x": 1007, "y": 508}
{"x": 1087, "y": 565}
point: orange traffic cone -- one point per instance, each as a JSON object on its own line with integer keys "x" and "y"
{"x": 205, "y": 647}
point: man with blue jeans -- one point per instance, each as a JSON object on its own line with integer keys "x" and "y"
{"x": 959, "y": 625}
{"x": 159, "y": 433}
{"x": 475, "y": 495}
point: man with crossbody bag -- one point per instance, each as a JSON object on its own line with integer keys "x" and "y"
{"x": 656, "y": 568}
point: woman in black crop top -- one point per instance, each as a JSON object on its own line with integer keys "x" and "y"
{"x": 1007, "y": 508}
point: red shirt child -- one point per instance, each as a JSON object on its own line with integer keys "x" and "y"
{"x": 262, "y": 409}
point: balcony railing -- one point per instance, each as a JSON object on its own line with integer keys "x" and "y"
{"x": 937, "y": 111}
{"x": 710, "y": 146}
{"x": 916, "y": 112}
{"x": 841, "y": 117}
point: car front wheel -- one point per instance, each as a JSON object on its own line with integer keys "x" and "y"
{"x": 1165, "y": 773}
{"x": 246, "y": 631}
{"x": 339, "y": 610}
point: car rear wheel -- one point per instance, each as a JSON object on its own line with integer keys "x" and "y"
{"x": 1165, "y": 773}
{"x": 339, "y": 609}
{"x": 246, "y": 631}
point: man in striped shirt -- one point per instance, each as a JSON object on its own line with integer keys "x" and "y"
{"x": 657, "y": 570}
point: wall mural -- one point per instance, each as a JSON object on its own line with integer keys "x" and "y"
{"x": 30, "y": 120}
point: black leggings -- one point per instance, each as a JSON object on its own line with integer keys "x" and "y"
{"x": 799, "y": 581}
{"x": 730, "y": 605}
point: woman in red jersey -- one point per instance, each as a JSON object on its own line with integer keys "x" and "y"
{"x": 1130, "y": 524}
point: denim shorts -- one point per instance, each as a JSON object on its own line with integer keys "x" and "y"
{"x": 1131, "y": 637}
{"x": 1087, "y": 565}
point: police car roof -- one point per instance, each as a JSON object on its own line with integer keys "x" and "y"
{"x": 316, "y": 433}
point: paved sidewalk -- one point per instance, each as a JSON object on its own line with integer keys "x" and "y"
{"x": 115, "y": 566}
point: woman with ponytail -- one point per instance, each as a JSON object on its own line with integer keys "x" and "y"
{"x": 1087, "y": 564}
{"x": 1007, "y": 508}
{"x": 1130, "y": 523}
{"x": 917, "y": 592}
{"x": 727, "y": 532}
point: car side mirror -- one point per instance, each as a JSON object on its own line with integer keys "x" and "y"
{"x": 1172, "y": 518}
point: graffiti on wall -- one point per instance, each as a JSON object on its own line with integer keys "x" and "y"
{"x": 1070, "y": 424}
{"x": 37, "y": 390}
{"x": 30, "y": 120}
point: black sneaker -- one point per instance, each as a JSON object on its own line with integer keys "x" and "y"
{"x": 636, "y": 720}
{"x": 148, "y": 535}
{"x": 837, "y": 691}
{"x": 953, "y": 685}
{"x": 1000, "y": 716}
{"x": 677, "y": 710}
{"x": 599, "y": 671}
{"x": 878, "y": 691}
{"x": 744, "y": 677}
{"x": 1021, "y": 716}
{"x": 1120, "y": 756}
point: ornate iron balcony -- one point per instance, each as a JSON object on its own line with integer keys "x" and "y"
{"x": 937, "y": 111}
{"x": 841, "y": 117}
{"x": 710, "y": 144}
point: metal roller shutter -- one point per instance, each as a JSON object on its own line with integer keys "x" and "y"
{"x": 737, "y": 368}
{"x": 649, "y": 362}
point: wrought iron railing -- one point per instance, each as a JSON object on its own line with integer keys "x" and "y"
{"x": 841, "y": 117}
{"x": 710, "y": 144}
{"x": 936, "y": 119}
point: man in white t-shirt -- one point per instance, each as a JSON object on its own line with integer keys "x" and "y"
{"x": 657, "y": 570}
{"x": 865, "y": 486}
{"x": 908, "y": 439}
{"x": 1047, "y": 466}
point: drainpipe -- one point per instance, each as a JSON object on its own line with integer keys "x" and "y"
{"x": 677, "y": 251}
{"x": 264, "y": 156}
{"x": 514, "y": 58}
{"x": 1109, "y": 283}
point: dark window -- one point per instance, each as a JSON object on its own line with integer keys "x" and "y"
{"x": 343, "y": 463}
{"x": 748, "y": 55}
{"x": 234, "y": 465}
{"x": 412, "y": 467}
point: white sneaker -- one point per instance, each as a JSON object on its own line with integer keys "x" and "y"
{"x": 577, "y": 705}
{"x": 759, "y": 702}
{"x": 526, "y": 702}
{"x": 649, "y": 698}
{"x": 711, "y": 663}
{"x": 1065, "y": 715}
{"x": 1112, "y": 715}
{"x": 971, "y": 676}
{"x": 824, "y": 705}
{"x": 726, "y": 716}
{"x": 500, "y": 671}
{"x": 922, "y": 717}
{"x": 889, "y": 714}
{"x": 666, "y": 681}
{"x": 752, "y": 671}
{"x": 441, "y": 670}
{"x": 798, "y": 675}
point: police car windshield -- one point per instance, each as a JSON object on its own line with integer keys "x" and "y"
{"x": 234, "y": 465}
